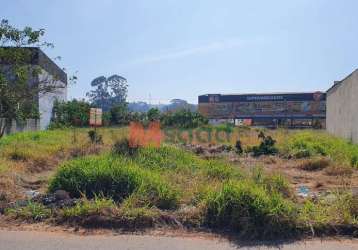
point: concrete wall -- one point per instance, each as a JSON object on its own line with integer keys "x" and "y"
{"x": 342, "y": 108}
{"x": 28, "y": 125}
{"x": 47, "y": 100}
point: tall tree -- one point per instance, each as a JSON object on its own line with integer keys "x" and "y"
{"x": 20, "y": 82}
{"x": 108, "y": 92}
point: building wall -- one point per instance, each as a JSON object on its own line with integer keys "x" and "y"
{"x": 46, "y": 101}
{"x": 275, "y": 109}
{"x": 52, "y": 74}
{"x": 342, "y": 108}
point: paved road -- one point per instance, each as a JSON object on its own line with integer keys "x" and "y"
{"x": 54, "y": 241}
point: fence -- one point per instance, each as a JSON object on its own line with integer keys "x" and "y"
{"x": 27, "y": 125}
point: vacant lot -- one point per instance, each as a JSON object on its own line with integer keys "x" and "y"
{"x": 305, "y": 183}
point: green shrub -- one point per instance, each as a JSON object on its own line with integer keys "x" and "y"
{"x": 95, "y": 137}
{"x": 123, "y": 147}
{"x": 249, "y": 210}
{"x": 97, "y": 175}
{"x": 266, "y": 147}
{"x": 238, "y": 147}
{"x": 354, "y": 161}
{"x": 113, "y": 177}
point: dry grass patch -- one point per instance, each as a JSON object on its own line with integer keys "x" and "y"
{"x": 315, "y": 164}
{"x": 335, "y": 170}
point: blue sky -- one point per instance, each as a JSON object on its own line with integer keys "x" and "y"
{"x": 183, "y": 48}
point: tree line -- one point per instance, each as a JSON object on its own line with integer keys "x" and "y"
{"x": 75, "y": 113}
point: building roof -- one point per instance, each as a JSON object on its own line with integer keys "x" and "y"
{"x": 336, "y": 84}
{"x": 38, "y": 57}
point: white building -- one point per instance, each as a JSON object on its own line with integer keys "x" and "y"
{"x": 50, "y": 74}
{"x": 342, "y": 108}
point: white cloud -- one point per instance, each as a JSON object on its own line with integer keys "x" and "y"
{"x": 204, "y": 49}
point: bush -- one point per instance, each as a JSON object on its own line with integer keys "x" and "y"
{"x": 95, "y": 137}
{"x": 266, "y": 147}
{"x": 248, "y": 209}
{"x": 354, "y": 161}
{"x": 123, "y": 147}
{"x": 115, "y": 178}
{"x": 238, "y": 147}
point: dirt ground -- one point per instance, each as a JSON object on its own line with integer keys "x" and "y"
{"x": 26, "y": 177}
{"x": 318, "y": 181}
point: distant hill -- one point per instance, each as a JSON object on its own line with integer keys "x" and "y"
{"x": 175, "y": 104}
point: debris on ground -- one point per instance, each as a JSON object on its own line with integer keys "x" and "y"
{"x": 30, "y": 194}
{"x": 59, "y": 199}
{"x": 303, "y": 191}
{"x": 213, "y": 151}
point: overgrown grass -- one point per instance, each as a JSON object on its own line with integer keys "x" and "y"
{"x": 340, "y": 208}
{"x": 273, "y": 183}
{"x": 315, "y": 164}
{"x": 167, "y": 177}
{"x": 168, "y": 183}
{"x": 46, "y": 144}
{"x": 3, "y": 168}
{"x": 113, "y": 177}
{"x": 31, "y": 212}
{"x": 89, "y": 207}
{"x": 318, "y": 143}
{"x": 251, "y": 211}
{"x": 105, "y": 210}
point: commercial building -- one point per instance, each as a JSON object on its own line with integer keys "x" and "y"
{"x": 342, "y": 108}
{"x": 269, "y": 110}
{"x": 50, "y": 74}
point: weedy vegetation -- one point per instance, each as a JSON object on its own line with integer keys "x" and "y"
{"x": 141, "y": 187}
{"x": 316, "y": 143}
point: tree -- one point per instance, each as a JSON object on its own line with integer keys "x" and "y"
{"x": 20, "y": 82}
{"x": 71, "y": 113}
{"x": 179, "y": 104}
{"x": 119, "y": 114}
{"x": 153, "y": 114}
{"x": 183, "y": 119}
{"x": 108, "y": 92}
